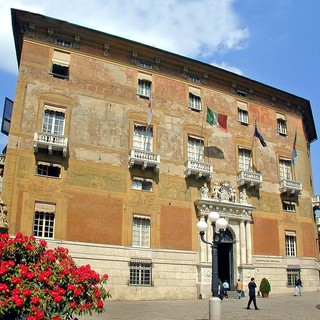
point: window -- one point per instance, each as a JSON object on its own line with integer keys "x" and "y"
{"x": 141, "y": 231}
{"x": 63, "y": 43}
{"x": 195, "y": 148}
{"x": 44, "y": 220}
{"x": 244, "y": 159}
{"x": 60, "y": 64}
{"x": 141, "y": 184}
{"x": 288, "y": 206}
{"x": 140, "y": 272}
{"x": 6, "y": 117}
{"x": 281, "y": 124}
{"x": 193, "y": 78}
{"x": 144, "y": 64}
{"x": 285, "y": 169}
{"x": 290, "y": 243}
{"x": 243, "y": 115}
{"x": 292, "y": 275}
{"x": 48, "y": 169}
{"x": 144, "y": 85}
{"x": 194, "y": 99}
{"x": 53, "y": 120}
{"x": 142, "y": 138}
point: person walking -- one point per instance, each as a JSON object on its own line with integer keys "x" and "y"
{"x": 252, "y": 294}
{"x": 298, "y": 285}
{"x": 239, "y": 288}
{"x": 226, "y": 287}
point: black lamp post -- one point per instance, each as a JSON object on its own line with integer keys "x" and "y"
{"x": 219, "y": 226}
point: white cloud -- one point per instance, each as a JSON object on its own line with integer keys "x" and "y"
{"x": 199, "y": 29}
{"x": 228, "y": 67}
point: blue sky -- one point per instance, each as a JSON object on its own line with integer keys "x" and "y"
{"x": 272, "y": 42}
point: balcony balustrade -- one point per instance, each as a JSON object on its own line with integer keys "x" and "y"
{"x": 290, "y": 187}
{"x": 50, "y": 142}
{"x": 198, "y": 169}
{"x": 145, "y": 159}
{"x": 250, "y": 179}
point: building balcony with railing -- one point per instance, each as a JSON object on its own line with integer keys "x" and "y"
{"x": 250, "y": 179}
{"x": 145, "y": 159}
{"x": 50, "y": 142}
{"x": 198, "y": 169}
{"x": 290, "y": 187}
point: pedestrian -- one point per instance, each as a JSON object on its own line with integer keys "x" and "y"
{"x": 252, "y": 294}
{"x": 239, "y": 288}
{"x": 226, "y": 287}
{"x": 298, "y": 285}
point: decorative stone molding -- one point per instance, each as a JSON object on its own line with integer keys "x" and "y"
{"x": 223, "y": 199}
{"x": 3, "y": 217}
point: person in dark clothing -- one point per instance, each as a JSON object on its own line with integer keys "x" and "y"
{"x": 252, "y": 294}
{"x": 298, "y": 285}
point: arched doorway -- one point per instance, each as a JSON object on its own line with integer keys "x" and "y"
{"x": 225, "y": 259}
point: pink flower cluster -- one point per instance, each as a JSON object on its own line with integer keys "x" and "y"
{"x": 42, "y": 283}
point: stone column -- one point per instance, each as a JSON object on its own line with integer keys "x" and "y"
{"x": 248, "y": 242}
{"x": 243, "y": 245}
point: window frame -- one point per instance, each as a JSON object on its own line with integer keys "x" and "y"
{"x": 245, "y": 161}
{"x": 60, "y": 64}
{"x": 281, "y": 124}
{"x": 288, "y": 206}
{"x": 292, "y": 275}
{"x": 291, "y": 243}
{"x": 140, "y": 273}
{"x": 144, "y": 182}
{"x": 195, "y": 151}
{"x": 144, "y": 88}
{"x": 194, "y": 102}
{"x": 44, "y": 220}
{"x": 55, "y": 121}
{"x": 141, "y": 231}
{"x": 285, "y": 169}
{"x": 142, "y": 137}
{"x": 46, "y": 173}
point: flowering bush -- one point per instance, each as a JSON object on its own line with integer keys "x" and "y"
{"x": 39, "y": 283}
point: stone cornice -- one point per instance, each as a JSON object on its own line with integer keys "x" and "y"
{"x": 228, "y": 210}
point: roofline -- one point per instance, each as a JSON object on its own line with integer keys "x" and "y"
{"x": 221, "y": 74}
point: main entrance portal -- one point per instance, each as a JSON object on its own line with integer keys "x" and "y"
{"x": 225, "y": 259}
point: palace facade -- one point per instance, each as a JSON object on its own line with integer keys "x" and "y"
{"x": 117, "y": 149}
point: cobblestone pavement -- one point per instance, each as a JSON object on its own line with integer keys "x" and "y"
{"x": 306, "y": 307}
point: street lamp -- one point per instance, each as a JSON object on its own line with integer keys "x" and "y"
{"x": 219, "y": 226}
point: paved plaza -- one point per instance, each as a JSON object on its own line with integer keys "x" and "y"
{"x": 306, "y": 307}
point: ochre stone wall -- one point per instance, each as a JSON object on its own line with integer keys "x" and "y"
{"x": 94, "y": 218}
{"x": 265, "y": 236}
{"x": 175, "y": 228}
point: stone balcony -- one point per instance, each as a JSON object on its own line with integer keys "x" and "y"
{"x": 198, "y": 169}
{"x": 145, "y": 159}
{"x": 316, "y": 202}
{"x": 50, "y": 142}
{"x": 290, "y": 187}
{"x": 250, "y": 179}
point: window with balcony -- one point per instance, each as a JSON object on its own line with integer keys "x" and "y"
{"x": 243, "y": 115}
{"x": 47, "y": 169}
{"x": 140, "y": 272}
{"x": 281, "y": 124}
{"x": 53, "y": 120}
{"x": 142, "y": 184}
{"x": 285, "y": 169}
{"x": 290, "y": 238}
{"x": 194, "y": 99}
{"x": 245, "y": 160}
{"x": 141, "y": 231}
{"x": 60, "y": 64}
{"x": 195, "y": 148}
{"x": 142, "y": 138}
{"x": 44, "y": 218}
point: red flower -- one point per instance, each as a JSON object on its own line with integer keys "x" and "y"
{"x": 16, "y": 280}
{"x": 73, "y": 305}
{"x": 26, "y": 292}
{"x": 100, "y": 304}
{"x": 3, "y": 287}
{"x": 35, "y": 300}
